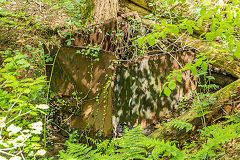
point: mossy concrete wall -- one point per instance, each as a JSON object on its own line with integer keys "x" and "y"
{"x": 132, "y": 96}
{"x": 137, "y": 87}
{"x": 89, "y": 80}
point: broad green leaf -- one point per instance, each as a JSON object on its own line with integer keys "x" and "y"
{"x": 140, "y": 41}
{"x": 189, "y": 29}
{"x": 230, "y": 44}
{"x": 194, "y": 71}
{"x": 203, "y": 11}
{"x": 196, "y": 28}
{"x": 8, "y": 60}
{"x": 35, "y": 138}
{"x": 167, "y": 91}
{"x": 182, "y": 26}
{"x": 237, "y": 52}
{"x": 179, "y": 78}
{"x": 151, "y": 40}
{"x": 164, "y": 22}
{"x": 219, "y": 32}
{"x": 198, "y": 62}
{"x": 173, "y": 28}
{"x": 172, "y": 84}
{"x": 204, "y": 66}
{"x": 157, "y": 26}
{"x": 230, "y": 58}
{"x": 212, "y": 27}
{"x": 27, "y": 90}
{"x": 69, "y": 43}
{"x": 199, "y": 22}
{"x": 188, "y": 66}
{"x": 210, "y": 36}
{"x": 163, "y": 35}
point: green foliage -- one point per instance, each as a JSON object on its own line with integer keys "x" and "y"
{"x": 20, "y": 120}
{"x": 133, "y": 145}
{"x": 221, "y": 18}
{"x": 179, "y": 124}
{"x": 90, "y": 52}
{"x": 215, "y": 137}
{"x": 197, "y": 68}
{"x": 18, "y": 20}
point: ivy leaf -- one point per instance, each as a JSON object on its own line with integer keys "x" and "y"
{"x": 151, "y": 40}
{"x": 140, "y": 41}
{"x": 172, "y": 85}
{"x": 204, "y": 66}
{"x": 167, "y": 91}
{"x": 179, "y": 78}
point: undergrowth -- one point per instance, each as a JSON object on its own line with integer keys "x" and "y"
{"x": 134, "y": 145}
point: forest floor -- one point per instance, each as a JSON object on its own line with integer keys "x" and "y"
{"x": 46, "y": 25}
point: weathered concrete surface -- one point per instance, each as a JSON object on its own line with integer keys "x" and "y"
{"x": 72, "y": 73}
{"x": 131, "y": 98}
{"x": 137, "y": 86}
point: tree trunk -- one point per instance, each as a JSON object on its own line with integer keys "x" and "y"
{"x": 104, "y": 10}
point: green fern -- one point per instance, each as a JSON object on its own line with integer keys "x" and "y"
{"x": 78, "y": 152}
{"x": 216, "y": 136}
{"x": 133, "y": 145}
{"x": 179, "y": 124}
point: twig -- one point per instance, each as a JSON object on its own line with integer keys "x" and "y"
{"x": 3, "y": 83}
{"x": 19, "y": 115}
{"x": 7, "y": 153}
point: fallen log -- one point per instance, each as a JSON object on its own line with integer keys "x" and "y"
{"x": 222, "y": 62}
{"x": 223, "y": 97}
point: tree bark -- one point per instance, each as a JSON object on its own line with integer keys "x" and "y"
{"x": 104, "y": 10}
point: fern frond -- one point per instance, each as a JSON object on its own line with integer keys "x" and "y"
{"x": 133, "y": 145}
{"x": 179, "y": 125}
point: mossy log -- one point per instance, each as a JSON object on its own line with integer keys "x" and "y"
{"x": 226, "y": 95}
{"x": 222, "y": 59}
